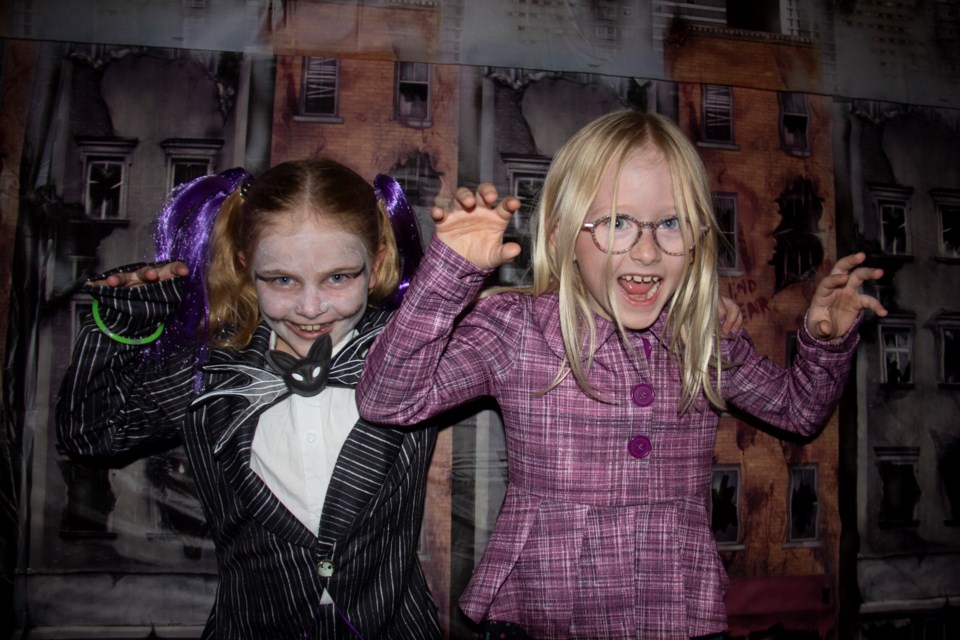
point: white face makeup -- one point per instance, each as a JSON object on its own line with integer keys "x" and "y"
{"x": 645, "y": 277}
{"x": 311, "y": 278}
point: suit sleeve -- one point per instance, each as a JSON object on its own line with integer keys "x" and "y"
{"x": 112, "y": 399}
{"x": 799, "y": 399}
{"x": 432, "y": 356}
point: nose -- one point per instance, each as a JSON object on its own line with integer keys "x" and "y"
{"x": 311, "y": 304}
{"x": 646, "y": 250}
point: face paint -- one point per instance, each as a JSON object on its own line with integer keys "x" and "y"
{"x": 312, "y": 278}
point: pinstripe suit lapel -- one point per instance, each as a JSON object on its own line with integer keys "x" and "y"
{"x": 254, "y": 493}
{"x": 368, "y": 453}
{"x": 362, "y": 467}
{"x": 234, "y": 456}
{"x": 365, "y": 461}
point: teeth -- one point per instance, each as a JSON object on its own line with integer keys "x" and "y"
{"x": 309, "y": 327}
{"x": 646, "y": 279}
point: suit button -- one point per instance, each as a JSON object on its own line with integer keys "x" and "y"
{"x": 642, "y": 395}
{"x": 325, "y": 568}
{"x": 639, "y": 446}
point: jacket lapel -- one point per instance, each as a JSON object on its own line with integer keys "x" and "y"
{"x": 252, "y": 492}
{"x": 234, "y": 442}
{"x": 365, "y": 461}
{"x": 369, "y": 452}
{"x": 362, "y": 468}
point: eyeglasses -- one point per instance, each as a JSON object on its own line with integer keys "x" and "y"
{"x": 619, "y": 234}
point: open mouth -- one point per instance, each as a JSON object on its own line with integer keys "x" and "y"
{"x": 310, "y": 327}
{"x": 640, "y": 288}
{"x": 310, "y": 330}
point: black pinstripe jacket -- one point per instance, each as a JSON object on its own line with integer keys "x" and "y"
{"x": 114, "y": 403}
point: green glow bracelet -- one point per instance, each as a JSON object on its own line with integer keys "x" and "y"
{"x": 119, "y": 338}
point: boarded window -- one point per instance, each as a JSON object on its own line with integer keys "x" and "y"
{"x": 717, "y": 113}
{"x": 725, "y": 505}
{"x": 318, "y": 90}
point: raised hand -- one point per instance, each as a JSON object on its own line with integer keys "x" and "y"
{"x": 837, "y": 301}
{"x": 474, "y": 223}
{"x": 143, "y": 275}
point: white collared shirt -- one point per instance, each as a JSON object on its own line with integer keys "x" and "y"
{"x": 297, "y": 443}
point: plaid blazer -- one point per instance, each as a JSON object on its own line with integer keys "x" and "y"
{"x": 604, "y": 531}
{"x": 273, "y": 571}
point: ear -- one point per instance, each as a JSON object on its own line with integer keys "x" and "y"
{"x": 280, "y": 362}
{"x": 321, "y": 349}
{"x": 375, "y": 267}
{"x": 242, "y": 259}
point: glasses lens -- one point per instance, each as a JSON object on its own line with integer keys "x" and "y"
{"x": 616, "y": 235}
{"x": 670, "y": 236}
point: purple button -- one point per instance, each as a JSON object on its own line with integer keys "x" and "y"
{"x": 642, "y": 395}
{"x": 639, "y": 446}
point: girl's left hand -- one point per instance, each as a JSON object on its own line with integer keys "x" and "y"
{"x": 837, "y": 301}
{"x": 731, "y": 318}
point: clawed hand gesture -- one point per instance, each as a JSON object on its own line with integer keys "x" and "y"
{"x": 473, "y": 226}
{"x": 837, "y": 301}
{"x": 143, "y": 275}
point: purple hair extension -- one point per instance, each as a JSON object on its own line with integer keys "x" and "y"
{"x": 405, "y": 231}
{"x": 183, "y": 233}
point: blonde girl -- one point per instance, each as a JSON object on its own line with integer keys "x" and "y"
{"x": 610, "y": 373}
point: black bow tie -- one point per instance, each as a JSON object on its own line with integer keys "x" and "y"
{"x": 310, "y": 375}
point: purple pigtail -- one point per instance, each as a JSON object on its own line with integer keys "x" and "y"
{"x": 182, "y": 233}
{"x": 405, "y": 231}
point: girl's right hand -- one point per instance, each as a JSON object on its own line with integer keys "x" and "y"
{"x": 143, "y": 275}
{"x": 474, "y": 223}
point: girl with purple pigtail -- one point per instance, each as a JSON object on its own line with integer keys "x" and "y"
{"x": 244, "y": 342}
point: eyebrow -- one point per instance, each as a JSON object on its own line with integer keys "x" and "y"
{"x": 273, "y": 273}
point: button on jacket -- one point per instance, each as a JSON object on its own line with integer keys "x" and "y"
{"x": 604, "y": 531}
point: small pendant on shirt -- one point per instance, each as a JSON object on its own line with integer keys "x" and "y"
{"x": 304, "y": 376}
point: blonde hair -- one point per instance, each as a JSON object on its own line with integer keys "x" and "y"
{"x": 691, "y": 330}
{"x": 330, "y": 191}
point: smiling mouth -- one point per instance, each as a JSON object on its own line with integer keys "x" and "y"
{"x": 641, "y": 288}
{"x": 310, "y": 328}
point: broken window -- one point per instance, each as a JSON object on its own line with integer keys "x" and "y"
{"x": 793, "y": 123}
{"x": 899, "y": 488}
{"x": 896, "y": 354}
{"x": 105, "y": 165}
{"x": 90, "y": 501}
{"x": 947, "y": 447}
{"x": 189, "y": 158}
{"x": 412, "y": 95}
{"x": 950, "y": 355}
{"x": 946, "y": 328}
{"x": 725, "y": 504}
{"x": 420, "y": 182}
{"x": 893, "y": 207}
{"x": 526, "y": 174}
{"x": 799, "y": 250}
{"x": 947, "y": 202}
{"x": 104, "y": 189}
{"x": 725, "y": 208}
{"x": 804, "y": 503}
{"x": 319, "y": 94}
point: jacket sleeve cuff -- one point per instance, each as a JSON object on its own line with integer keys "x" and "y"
{"x": 135, "y": 311}
{"x": 845, "y": 344}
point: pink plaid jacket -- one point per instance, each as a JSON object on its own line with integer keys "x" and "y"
{"x": 604, "y": 531}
